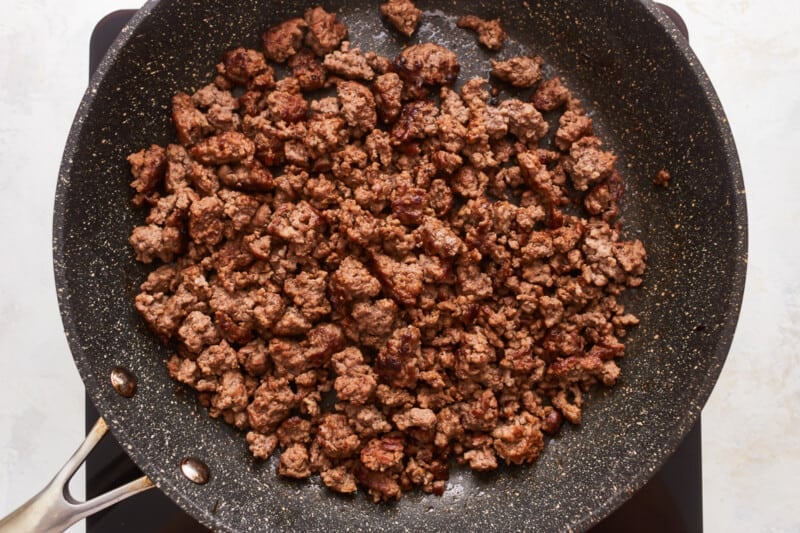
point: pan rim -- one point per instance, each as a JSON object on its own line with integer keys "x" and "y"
{"x": 727, "y": 331}
{"x": 170, "y": 488}
{"x": 92, "y": 385}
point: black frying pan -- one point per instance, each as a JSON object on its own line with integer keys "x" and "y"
{"x": 652, "y": 104}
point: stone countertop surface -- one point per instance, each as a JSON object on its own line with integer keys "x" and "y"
{"x": 751, "y": 424}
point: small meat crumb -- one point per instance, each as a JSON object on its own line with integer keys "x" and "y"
{"x": 428, "y": 63}
{"x": 403, "y": 15}
{"x": 282, "y": 41}
{"x": 490, "y": 32}
{"x": 325, "y": 32}
{"x": 261, "y": 446}
{"x": 662, "y": 178}
{"x": 521, "y": 71}
{"x": 294, "y": 462}
{"x": 350, "y": 64}
{"x": 550, "y": 94}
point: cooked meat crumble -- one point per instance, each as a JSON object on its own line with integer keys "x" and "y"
{"x": 662, "y": 178}
{"x": 421, "y": 261}
{"x": 518, "y": 71}
{"x": 403, "y": 15}
{"x": 490, "y": 32}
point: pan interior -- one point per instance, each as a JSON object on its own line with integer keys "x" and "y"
{"x": 650, "y": 102}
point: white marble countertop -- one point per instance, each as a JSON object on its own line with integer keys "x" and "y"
{"x": 751, "y": 443}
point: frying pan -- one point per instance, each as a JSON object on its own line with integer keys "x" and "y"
{"x": 652, "y": 104}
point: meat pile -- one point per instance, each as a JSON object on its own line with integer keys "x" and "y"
{"x": 384, "y": 280}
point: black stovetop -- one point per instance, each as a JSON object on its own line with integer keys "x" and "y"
{"x": 670, "y": 503}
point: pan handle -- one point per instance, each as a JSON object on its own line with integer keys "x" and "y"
{"x": 54, "y": 509}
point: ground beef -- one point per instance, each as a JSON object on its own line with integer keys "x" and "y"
{"x": 481, "y": 460}
{"x": 388, "y": 89}
{"x": 417, "y": 120}
{"x": 380, "y": 64}
{"x": 307, "y": 70}
{"x": 372, "y": 322}
{"x": 397, "y": 361}
{"x": 250, "y": 175}
{"x": 429, "y": 64}
{"x": 225, "y": 147}
{"x": 261, "y": 446}
{"x": 403, "y": 281}
{"x": 205, "y": 221}
{"x": 191, "y": 124}
{"x": 325, "y": 134}
{"x": 587, "y": 163}
{"x": 415, "y": 417}
{"x": 519, "y": 440}
{"x": 326, "y": 106}
{"x": 339, "y": 479}
{"x": 440, "y": 239}
{"x": 325, "y": 32}
{"x": 295, "y": 223}
{"x": 452, "y": 105}
{"x": 152, "y": 241}
{"x": 490, "y": 32}
{"x": 355, "y": 381}
{"x": 253, "y": 357}
{"x": 390, "y": 280}
{"x": 294, "y": 462}
{"x": 550, "y": 94}
{"x": 218, "y": 359}
{"x": 272, "y": 403}
{"x": 571, "y": 127}
{"x": 197, "y": 331}
{"x": 382, "y": 486}
{"x": 336, "y": 438}
{"x": 286, "y": 103}
{"x": 353, "y": 281}
{"x": 383, "y": 454}
{"x": 521, "y": 71}
{"x": 231, "y": 394}
{"x": 447, "y": 162}
{"x": 241, "y": 65}
{"x": 357, "y": 105}
{"x": 148, "y": 168}
{"x": 662, "y": 178}
{"x": 282, "y": 41}
{"x": 524, "y": 121}
{"x": 350, "y": 64}
{"x": 294, "y": 430}
{"x": 403, "y": 15}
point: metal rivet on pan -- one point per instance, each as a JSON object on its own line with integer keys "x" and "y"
{"x": 195, "y": 470}
{"x": 123, "y": 382}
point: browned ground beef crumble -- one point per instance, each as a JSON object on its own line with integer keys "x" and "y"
{"x": 381, "y": 281}
{"x": 662, "y": 178}
{"x": 403, "y": 15}
{"x": 490, "y": 32}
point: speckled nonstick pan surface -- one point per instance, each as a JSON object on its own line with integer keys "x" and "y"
{"x": 651, "y": 102}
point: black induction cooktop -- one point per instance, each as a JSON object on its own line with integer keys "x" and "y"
{"x": 670, "y": 502}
